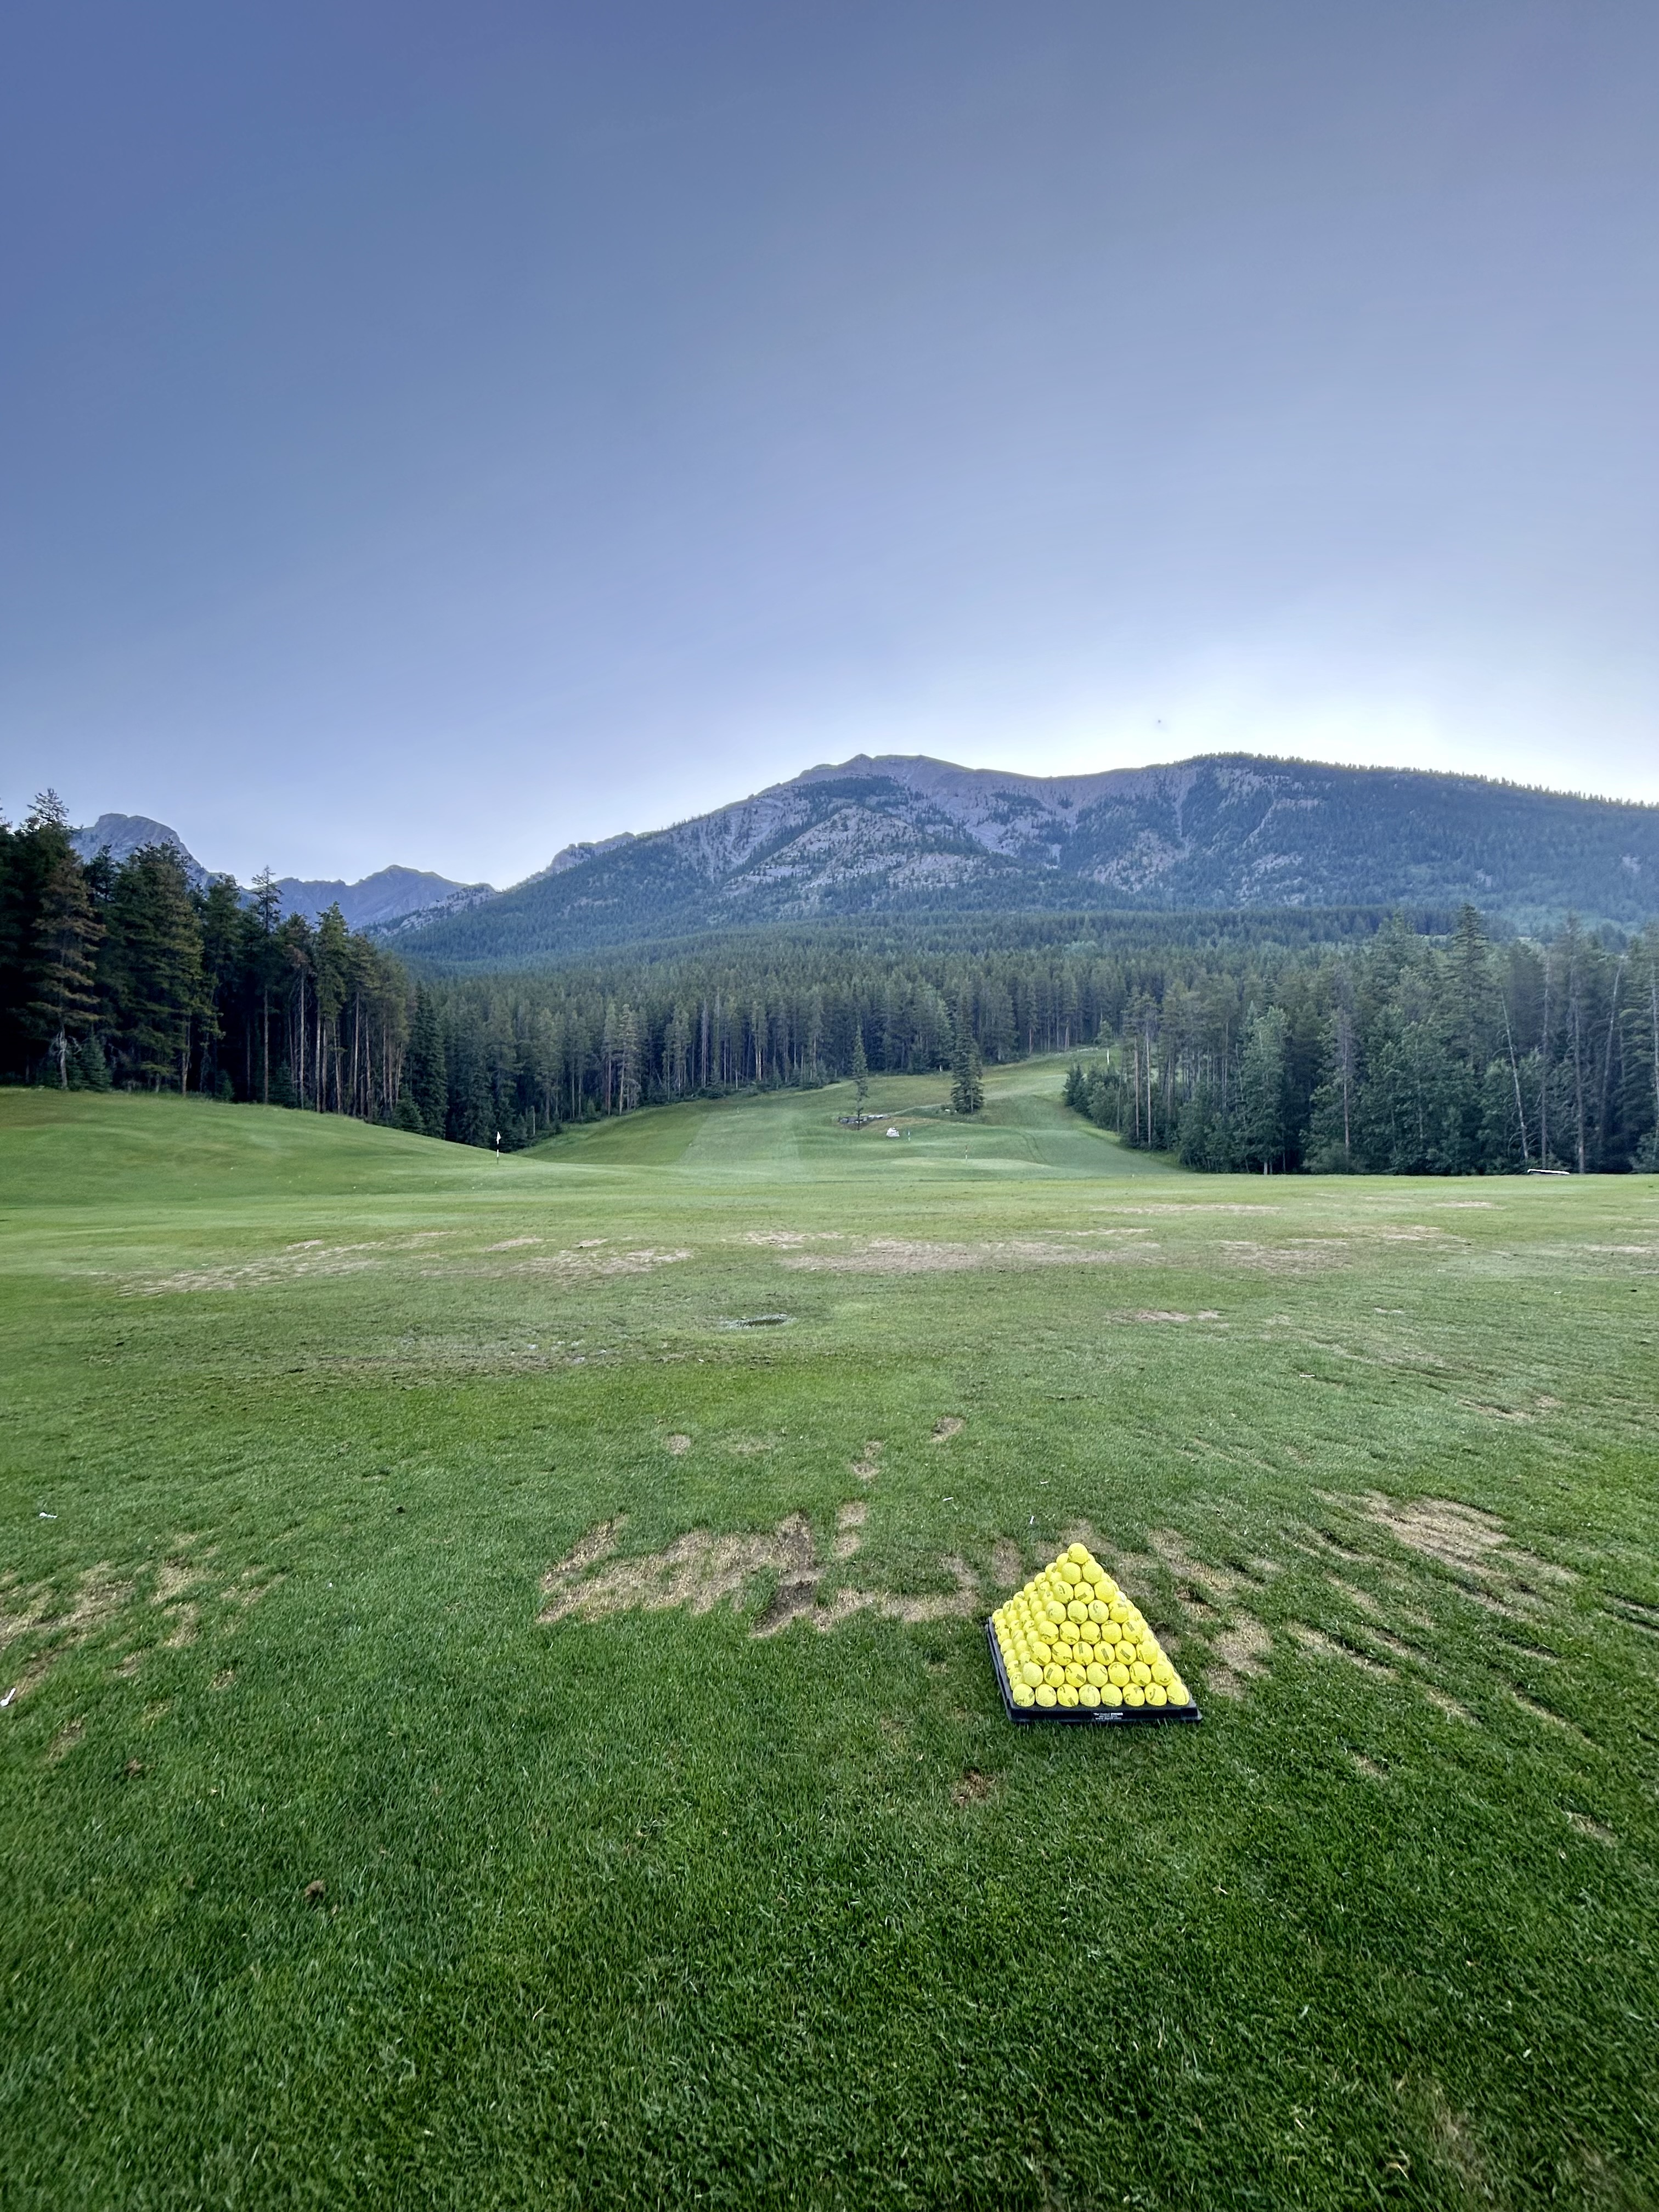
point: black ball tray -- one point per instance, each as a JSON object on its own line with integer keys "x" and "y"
{"x": 1083, "y": 1716}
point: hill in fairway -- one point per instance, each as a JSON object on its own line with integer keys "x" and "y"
{"x": 500, "y": 1711}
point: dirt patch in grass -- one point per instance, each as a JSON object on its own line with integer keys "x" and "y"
{"x": 961, "y": 1603}
{"x": 700, "y": 1571}
{"x": 171, "y": 1577}
{"x": 1544, "y": 1713}
{"x": 185, "y": 1621}
{"x": 64, "y": 1741}
{"x": 1473, "y": 1546}
{"x": 1007, "y": 1564}
{"x": 678, "y": 1444}
{"x": 251, "y": 1585}
{"x": 512, "y": 1243}
{"x": 1455, "y": 1535}
{"x": 973, "y": 1789}
{"x": 909, "y": 1255}
{"x": 849, "y": 1522}
{"x": 1156, "y": 1313}
{"x": 1239, "y": 1656}
{"x": 1447, "y": 1705}
{"x": 1634, "y": 1612}
{"x": 1330, "y": 1647}
{"x": 1583, "y": 1825}
{"x": 21, "y": 1610}
{"x": 1217, "y": 1583}
{"x": 947, "y": 1426}
{"x": 1307, "y": 1258}
{"x": 99, "y": 1597}
{"x": 1202, "y": 1205}
{"x": 1368, "y": 1767}
{"x": 697, "y": 1571}
{"x": 1452, "y": 2139}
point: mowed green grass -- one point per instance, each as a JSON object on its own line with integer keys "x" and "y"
{"x": 644, "y": 1908}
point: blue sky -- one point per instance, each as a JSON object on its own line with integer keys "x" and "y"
{"x": 434, "y": 434}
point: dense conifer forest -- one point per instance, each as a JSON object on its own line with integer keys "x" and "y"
{"x": 1335, "y": 1040}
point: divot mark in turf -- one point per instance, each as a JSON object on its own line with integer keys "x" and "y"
{"x": 1633, "y": 1612}
{"x": 849, "y": 1522}
{"x": 679, "y": 1444}
{"x": 1584, "y": 1825}
{"x": 1544, "y": 1713}
{"x": 948, "y": 1425}
{"x": 973, "y": 1789}
{"x": 1475, "y": 1547}
{"x": 699, "y": 1570}
{"x": 1368, "y": 1767}
{"x": 1238, "y": 1657}
{"x": 1449, "y": 1705}
{"x": 1330, "y": 1647}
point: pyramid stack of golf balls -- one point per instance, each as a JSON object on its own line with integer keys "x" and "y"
{"x": 1071, "y": 1637}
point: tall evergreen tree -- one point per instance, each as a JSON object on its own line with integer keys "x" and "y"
{"x": 967, "y": 1075}
{"x": 66, "y": 933}
{"x": 427, "y": 1073}
{"x": 151, "y": 966}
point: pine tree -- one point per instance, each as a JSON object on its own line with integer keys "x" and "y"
{"x": 861, "y": 1067}
{"x": 967, "y": 1084}
{"x": 67, "y": 928}
{"x": 152, "y": 966}
{"x": 428, "y": 1075}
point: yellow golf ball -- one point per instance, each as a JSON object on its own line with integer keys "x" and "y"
{"x": 1031, "y": 1674}
{"x": 1111, "y": 1695}
{"x": 1045, "y": 1696}
{"x": 1088, "y": 1695}
{"x": 1134, "y": 1695}
{"x": 1023, "y": 1694}
{"x": 1066, "y": 1697}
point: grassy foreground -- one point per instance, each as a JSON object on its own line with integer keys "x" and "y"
{"x": 491, "y": 1728}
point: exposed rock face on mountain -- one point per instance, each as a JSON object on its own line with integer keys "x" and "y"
{"x": 909, "y": 835}
{"x": 123, "y": 835}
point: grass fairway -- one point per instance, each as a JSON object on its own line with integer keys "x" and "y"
{"x": 492, "y": 1730}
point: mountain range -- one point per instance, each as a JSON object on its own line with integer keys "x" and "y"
{"x": 902, "y": 834}
{"x": 388, "y": 897}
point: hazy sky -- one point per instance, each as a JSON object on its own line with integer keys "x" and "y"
{"x": 433, "y": 434}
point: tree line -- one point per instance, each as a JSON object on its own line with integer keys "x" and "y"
{"x": 1405, "y": 1057}
{"x": 129, "y": 975}
{"x": 1344, "y": 1040}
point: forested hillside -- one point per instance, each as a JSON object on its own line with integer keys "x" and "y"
{"x": 924, "y": 839}
{"x": 1343, "y": 1040}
